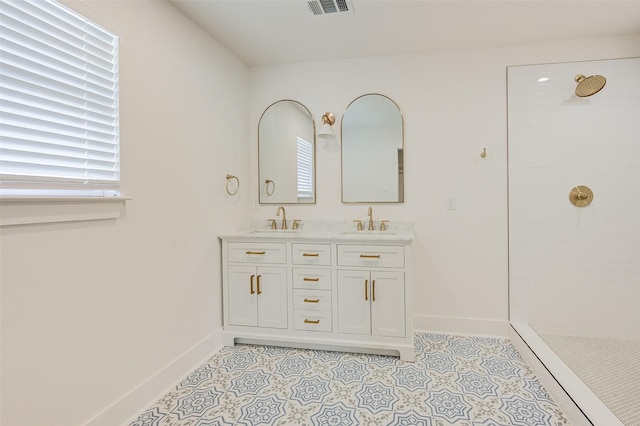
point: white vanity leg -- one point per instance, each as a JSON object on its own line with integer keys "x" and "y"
{"x": 228, "y": 339}
{"x": 407, "y": 354}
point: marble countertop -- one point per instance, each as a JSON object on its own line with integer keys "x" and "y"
{"x": 327, "y": 230}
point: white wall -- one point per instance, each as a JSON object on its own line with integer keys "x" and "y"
{"x": 454, "y": 105}
{"x": 575, "y": 270}
{"x": 90, "y": 310}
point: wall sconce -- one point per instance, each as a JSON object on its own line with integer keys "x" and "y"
{"x": 326, "y": 133}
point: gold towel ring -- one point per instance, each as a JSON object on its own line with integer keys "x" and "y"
{"x": 229, "y": 179}
{"x": 273, "y": 186}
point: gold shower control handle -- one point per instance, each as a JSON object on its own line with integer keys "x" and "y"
{"x": 581, "y": 196}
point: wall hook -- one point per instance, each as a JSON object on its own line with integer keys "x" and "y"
{"x": 483, "y": 153}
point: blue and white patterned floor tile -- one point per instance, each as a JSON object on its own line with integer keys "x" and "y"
{"x": 456, "y": 380}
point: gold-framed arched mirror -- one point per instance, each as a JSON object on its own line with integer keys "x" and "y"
{"x": 286, "y": 154}
{"x": 372, "y": 151}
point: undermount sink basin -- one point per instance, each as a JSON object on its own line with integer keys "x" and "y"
{"x": 275, "y": 231}
{"x": 354, "y": 232}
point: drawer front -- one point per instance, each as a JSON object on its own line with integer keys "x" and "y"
{"x": 312, "y": 279}
{"x": 371, "y": 256}
{"x": 312, "y": 320}
{"x": 312, "y": 300}
{"x": 257, "y": 252}
{"x": 312, "y": 254}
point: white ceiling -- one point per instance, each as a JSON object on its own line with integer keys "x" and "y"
{"x": 266, "y": 32}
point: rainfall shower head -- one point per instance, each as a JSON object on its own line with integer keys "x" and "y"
{"x": 588, "y": 86}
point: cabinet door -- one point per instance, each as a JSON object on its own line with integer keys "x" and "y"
{"x": 354, "y": 309}
{"x": 272, "y": 297}
{"x": 243, "y": 303}
{"x": 387, "y": 304}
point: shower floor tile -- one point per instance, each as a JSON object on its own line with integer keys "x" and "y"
{"x": 609, "y": 367}
{"x": 455, "y": 380}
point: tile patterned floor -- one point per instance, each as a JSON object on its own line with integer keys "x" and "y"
{"x": 455, "y": 380}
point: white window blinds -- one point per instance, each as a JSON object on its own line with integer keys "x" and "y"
{"x": 305, "y": 169}
{"x": 59, "y": 118}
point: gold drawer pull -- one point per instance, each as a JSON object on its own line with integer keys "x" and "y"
{"x": 311, "y": 300}
{"x": 251, "y": 291}
{"x": 255, "y": 252}
{"x": 370, "y": 256}
{"x": 258, "y": 280}
{"x": 308, "y": 321}
{"x": 311, "y": 254}
{"x": 310, "y": 279}
{"x": 373, "y": 290}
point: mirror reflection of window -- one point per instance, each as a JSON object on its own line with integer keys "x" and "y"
{"x": 305, "y": 170}
{"x": 286, "y": 154}
{"x": 372, "y": 151}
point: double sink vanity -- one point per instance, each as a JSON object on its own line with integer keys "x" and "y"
{"x": 334, "y": 285}
{"x": 326, "y": 285}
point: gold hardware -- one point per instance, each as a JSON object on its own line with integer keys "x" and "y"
{"x": 266, "y": 186}
{"x": 310, "y": 254}
{"x": 310, "y": 279}
{"x": 258, "y": 280}
{"x": 383, "y": 225}
{"x": 251, "y": 285}
{"x": 325, "y": 131}
{"x": 358, "y": 223}
{"x": 284, "y": 217}
{"x": 588, "y": 86}
{"x": 581, "y": 196}
{"x": 296, "y": 224}
{"x": 311, "y": 300}
{"x": 373, "y": 290}
{"x": 328, "y": 118}
{"x": 255, "y": 252}
{"x": 366, "y": 289}
{"x": 370, "y": 256}
{"x": 483, "y": 154}
{"x": 308, "y": 321}
{"x": 230, "y": 178}
{"x": 370, "y": 214}
{"x": 273, "y": 224}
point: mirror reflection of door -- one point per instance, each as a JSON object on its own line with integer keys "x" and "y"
{"x": 286, "y": 154}
{"x": 372, "y": 151}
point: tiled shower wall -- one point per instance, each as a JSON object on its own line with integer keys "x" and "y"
{"x": 575, "y": 271}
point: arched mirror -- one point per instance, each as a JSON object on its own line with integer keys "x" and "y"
{"x": 372, "y": 151}
{"x": 286, "y": 154}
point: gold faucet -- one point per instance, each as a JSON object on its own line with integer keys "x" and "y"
{"x": 284, "y": 217}
{"x": 370, "y": 214}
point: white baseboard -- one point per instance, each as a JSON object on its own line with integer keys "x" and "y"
{"x": 129, "y": 405}
{"x": 466, "y": 326}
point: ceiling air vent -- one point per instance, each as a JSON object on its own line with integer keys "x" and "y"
{"x": 324, "y": 7}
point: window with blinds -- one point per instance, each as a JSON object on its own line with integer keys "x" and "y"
{"x": 305, "y": 169}
{"x": 59, "y": 116}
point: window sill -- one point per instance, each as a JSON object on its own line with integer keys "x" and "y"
{"x": 31, "y": 210}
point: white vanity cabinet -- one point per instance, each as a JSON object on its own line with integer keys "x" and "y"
{"x": 371, "y": 302}
{"x": 333, "y": 293}
{"x": 257, "y": 296}
{"x": 371, "y": 298}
